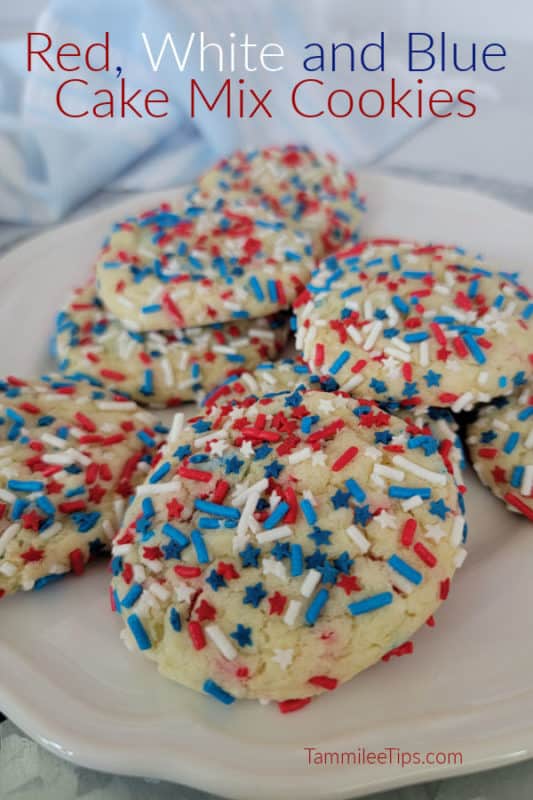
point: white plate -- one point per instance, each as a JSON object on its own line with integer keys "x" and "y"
{"x": 67, "y": 680}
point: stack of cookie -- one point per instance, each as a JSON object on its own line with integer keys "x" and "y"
{"x": 311, "y": 518}
{"x": 191, "y": 293}
{"x": 317, "y": 512}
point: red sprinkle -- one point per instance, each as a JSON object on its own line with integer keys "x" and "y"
{"x": 345, "y": 458}
{"x": 197, "y": 635}
{"x": 288, "y": 706}
{"x": 324, "y": 681}
{"x": 424, "y": 554}
{"x": 408, "y": 532}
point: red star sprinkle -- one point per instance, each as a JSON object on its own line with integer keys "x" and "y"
{"x": 277, "y": 603}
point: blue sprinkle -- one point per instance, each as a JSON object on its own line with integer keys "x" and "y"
{"x": 395, "y": 261}
{"x": 145, "y": 439}
{"x": 272, "y": 291}
{"x": 276, "y": 516}
{"x": 525, "y": 413}
{"x": 405, "y": 569}
{"x": 517, "y": 476}
{"x": 160, "y": 473}
{"x": 46, "y": 506}
{"x": 40, "y": 583}
{"x": 175, "y": 619}
{"x": 474, "y": 348}
{"x": 316, "y": 606}
{"x": 214, "y": 508}
{"x": 528, "y": 311}
{"x": 25, "y": 486}
{"x": 419, "y": 336}
{"x": 405, "y": 492}
{"x": 216, "y": 691}
{"x": 137, "y": 628}
{"x": 370, "y": 603}
{"x": 355, "y": 490}
{"x": 511, "y": 442}
{"x": 199, "y": 545}
{"x": 339, "y": 362}
{"x": 308, "y": 511}
{"x": 132, "y": 595}
{"x": 175, "y": 534}
{"x": 296, "y": 560}
{"x": 256, "y": 289}
{"x": 400, "y": 304}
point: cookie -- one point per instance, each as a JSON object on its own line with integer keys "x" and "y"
{"x": 438, "y": 425}
{"x": 164, "y": 368}
{"x": 311, "y": 192}
{"x": 500, "y": 443}
{"x": 428, "y": 326}
{"x": 261, "y": 560}
{"x": 70, "y": 457}
{"x": 175, "y": 267}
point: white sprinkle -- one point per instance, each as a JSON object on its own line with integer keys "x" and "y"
{"x": 456, "y": 536}
{"x": 459, "y": 557}
{"x": 8, "y": 569}
{"x": 220, "y": 434}
{"x": 368, "y": 309}
{"x": 158, "y": 488}
{"x": 260, "y": 334}
{"x": 221, "y": 641}
{"x": 463, "y": 402}
{"x": 411, "y": 502}
{"x": 424, "y": 353}
{"x": 292, "y": 612}
{"x": 115, "y": 405}
{"x": 395, "y": 353}
{"x": 7, "y": 535}
{"x": 139, "y": 573}
{"x": 529, "y": 440}
{"x": 59, "y": 458}
{"x": 527, "y": 481}
{"x": 482, "y": 378}
{"x": 51, "y": 531}
{"x": 310, "y": 582}
{"x": 159, "y": 591}
{"x": 176, "y": 427}
{"x": 354, "y": 334}
{"x": 54, "y": 441}
{"x": 358, "y": 537}
{"x": 371, "y": 339}
{"x": 247, "y": 513}
{"x": 401, "y": 582}
{"x": 255, "y": 488}
{"x": 436, "y": 478}
{"x": 389, "y": 472}
{"x": 7, "y": 496}
{"x": 350, "y": 384}
{"x": 281, "y": 532}
{"x": 300, "y": 455}
{"x": 121, "y": 549}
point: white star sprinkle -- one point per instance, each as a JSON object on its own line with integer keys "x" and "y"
{"x": 184, "y": 592}
{"x": 283, "y": 657}
{"x": 218, "y": 447}
{"x": 247, "y": 449}
{"x": 318, "y": 459}
{"x": 326, "y": 406}
{"x": 434, "y": 532}
{"x": 385, "y": 520}
{"x": 272, "y": 567}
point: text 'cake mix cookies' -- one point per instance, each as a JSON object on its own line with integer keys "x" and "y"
{"x": 428, "y": 326}
{"x": 261, "y": 560}
{"x": 159, "y": 368}
{"x": 70, "y": 457}
{"x": 310, "y": 191}
{"x": 184, "y": 267}
{"x": 500, "y": 443}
